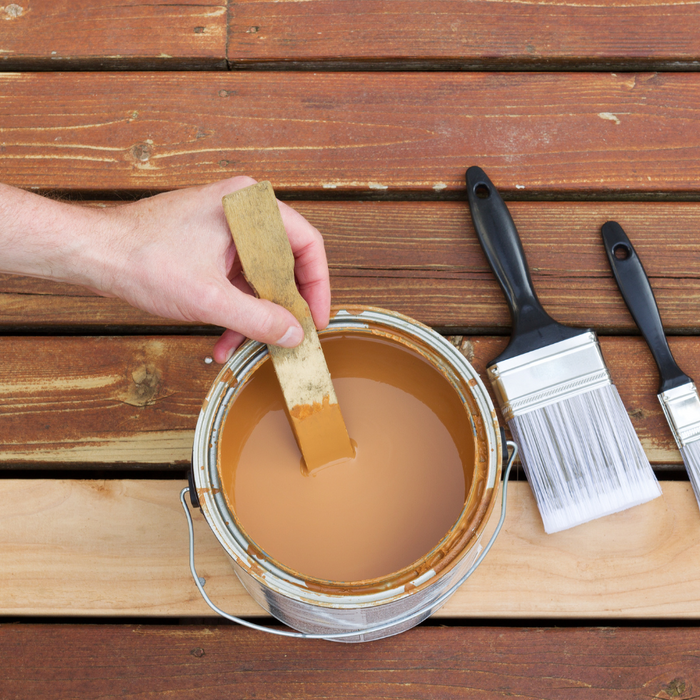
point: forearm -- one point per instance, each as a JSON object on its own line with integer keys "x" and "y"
{"x": 41, "y": 237}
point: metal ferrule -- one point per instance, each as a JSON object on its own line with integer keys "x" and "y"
{"x": 682, "y": 408}
{"x": 549, "y": 375}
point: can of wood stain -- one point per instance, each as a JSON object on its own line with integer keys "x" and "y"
{"x": 335, "y": 602}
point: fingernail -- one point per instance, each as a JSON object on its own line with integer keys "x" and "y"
{"x": 229, "y": 355}
{"x": 291, "y": 338}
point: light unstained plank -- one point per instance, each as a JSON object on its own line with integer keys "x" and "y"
{"x": 432, "y": 663}
{"x": 120, "y": 548}
{"x": 560, "y": 134}
{"x": 125, "y": 402}
{"x": 449, "y": 34}
{"x": 423, "y": 259}
{"x": 133, "y": 34}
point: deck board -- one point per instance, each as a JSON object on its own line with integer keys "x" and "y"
{"x": 454, "y": 34}
{"x": 387, "y": 134}
{"x": 118, "y": 548}
{"x": 132, "y": 34}
{"x": 129, "y": 402}
{"x": 429, "y": 663}
{"x": 423, "y": 259}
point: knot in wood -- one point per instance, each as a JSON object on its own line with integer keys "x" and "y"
{"x": 144, "y": 387}
{"x": 142, "y": 151}
{"x": 11, "y": 11}
{"x": 676, "y": 688}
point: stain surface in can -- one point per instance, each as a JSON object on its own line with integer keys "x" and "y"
{"x": 366, "y": 517}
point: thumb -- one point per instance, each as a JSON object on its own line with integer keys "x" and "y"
{"x": 258, "y": 319}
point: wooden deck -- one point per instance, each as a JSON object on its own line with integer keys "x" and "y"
{"x": 364, "y": 114}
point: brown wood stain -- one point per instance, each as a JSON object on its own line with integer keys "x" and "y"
{"x": 360, "y": 518}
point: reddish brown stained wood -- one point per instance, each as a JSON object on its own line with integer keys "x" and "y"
{"x": 423, "y": 259}
{"x": 435, "y": 663}
{"x": 449, "y": 33}
{"x": 563, "y": 134}
{"x": 131, "y": 401}
{"x": 70, "y": 34}
{"x": 108, "y": 400}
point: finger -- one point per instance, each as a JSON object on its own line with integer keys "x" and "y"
{"x": 318, "y": 297}
{"x": 311, "y": 265}
{"x": 231, "y": 184}
{"x": 262, "y": 320}
{"x": 226, "y": 345}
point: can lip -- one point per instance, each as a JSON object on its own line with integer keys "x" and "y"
{"x": 464, "y": 534}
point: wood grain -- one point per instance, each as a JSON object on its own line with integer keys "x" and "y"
{"x": 127, "y": 402}
{"x": 387, "y": 134}
{"x": 431, "y": 663}
{"x": 133, "y": 34}
{"x": 423, "y": 259}
{"x": 109, "y": 401}
{"x": 410, "y": 34}
{"x": 119, "y": 548}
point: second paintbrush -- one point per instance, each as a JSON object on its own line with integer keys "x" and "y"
{"x": 677, "y": 392}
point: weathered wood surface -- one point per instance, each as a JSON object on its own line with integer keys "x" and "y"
{"x": 133, "y": 34}
{"x": 119, "y": 548}
{"x": 128, "y": 402}
{"x": 423, "y": 259}
{"x": 554, "y": 134}
{"x": 453, "y": 34}
{"x": 55, "y": 662}
{"x": 110, "y": 400}
{"x": 403, "y": 34}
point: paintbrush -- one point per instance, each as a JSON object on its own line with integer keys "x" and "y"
{"x": 577, "y": 445}
{"x": 268, "y": 266}
{"x": 677, "y": 392}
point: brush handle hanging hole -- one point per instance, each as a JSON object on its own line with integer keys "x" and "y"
{"x": 621, "y": 251}
{"x": 482, "y": 191}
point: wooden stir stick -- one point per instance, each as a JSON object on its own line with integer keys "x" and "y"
{"x": 268, "y": 266}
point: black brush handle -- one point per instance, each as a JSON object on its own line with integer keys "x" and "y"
{"x": 639, "y": 297}
{"x": 533, "y": 327}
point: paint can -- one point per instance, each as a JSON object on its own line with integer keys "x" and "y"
{"x": 370, "y": 609}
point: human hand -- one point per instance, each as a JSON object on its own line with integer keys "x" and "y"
{"x": 175, "y": 257}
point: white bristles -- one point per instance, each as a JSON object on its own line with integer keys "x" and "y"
{"x": 691, "y": 459}
{"x": 583, "y": 458}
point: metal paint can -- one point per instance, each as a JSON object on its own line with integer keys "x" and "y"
{"x": 395, "y": 602}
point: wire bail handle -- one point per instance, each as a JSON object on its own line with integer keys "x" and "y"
{"x": 200, "y": 582}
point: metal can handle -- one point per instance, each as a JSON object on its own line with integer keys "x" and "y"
{"x": 199, "y": 582}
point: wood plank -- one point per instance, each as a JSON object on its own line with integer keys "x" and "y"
{"x": 448, "y": 34}
{"x": 423, "y": 259}
{"x": 109, "y": 400}
{"x": 126, "y": 402}
{"x": 431, "y": 663}
{"x": 119, "y": 548}
{"x": 137, "y": 35}
{"x": 388, "y": 134}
